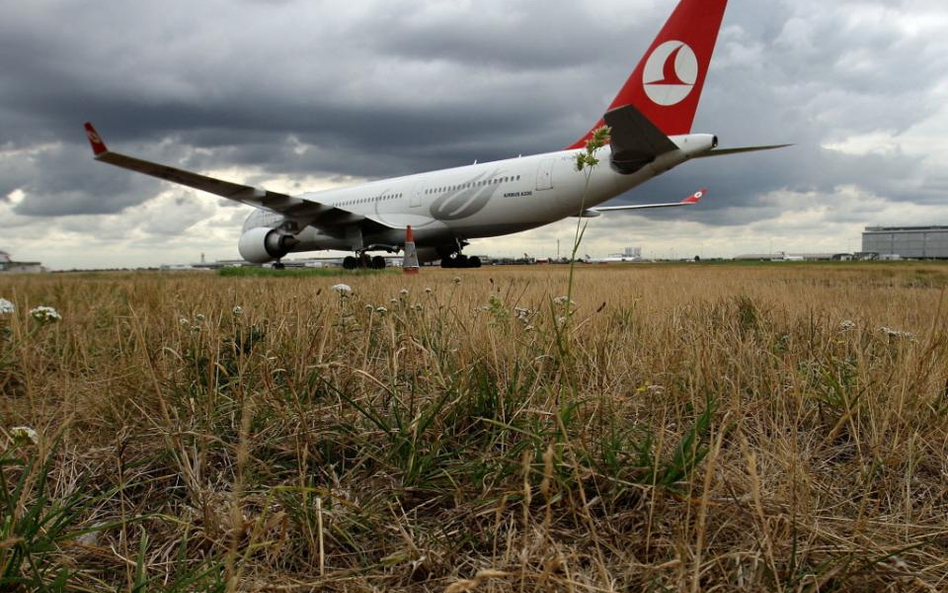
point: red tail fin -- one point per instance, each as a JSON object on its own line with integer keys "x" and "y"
{"x": 667, "y": 83}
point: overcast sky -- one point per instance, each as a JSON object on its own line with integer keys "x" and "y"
{"x": 306, "y": 95}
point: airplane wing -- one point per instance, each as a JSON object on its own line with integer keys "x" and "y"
{"x": 289, "y": 206}
{"x": 689, "y": 201}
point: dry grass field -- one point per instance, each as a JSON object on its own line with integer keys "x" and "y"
{"x": 775, "y": 427}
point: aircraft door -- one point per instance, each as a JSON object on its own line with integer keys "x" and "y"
{"x": 545, "y": 174}
{"x": 415, "y": 200}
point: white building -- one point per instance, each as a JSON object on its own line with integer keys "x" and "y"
{"x": 24, "y": 267}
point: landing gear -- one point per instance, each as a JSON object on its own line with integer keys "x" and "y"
{"x": 459, "y": 260}
{"x": 363, "y": 262}
{"x": 278, "y": 265}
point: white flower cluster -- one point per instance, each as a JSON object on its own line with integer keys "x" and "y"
{"x": 6, "y": 307}
{"x": 523, "y": 314}
{"x": 846, "y": 325}
{"x": 403, "y": 292}
{"x": 342, "y": 289}
{"x": 895, "y": 333}
{"x": 238, "y": 310}
{"x": 44, "y": 314}
{"x": 562, "y": 300}
{"x": 24, "y": 432}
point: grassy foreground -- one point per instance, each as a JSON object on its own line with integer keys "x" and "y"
{"x": 680, "y": 428}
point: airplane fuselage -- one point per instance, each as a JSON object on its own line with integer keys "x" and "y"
{"x": 479, "y": 200}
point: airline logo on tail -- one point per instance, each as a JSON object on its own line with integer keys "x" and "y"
{"x": 670, "y": 73}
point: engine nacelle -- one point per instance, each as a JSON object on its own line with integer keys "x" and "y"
{"x": 261, "y": 245}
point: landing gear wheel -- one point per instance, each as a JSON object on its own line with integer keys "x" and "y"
{"x": 349, "y": 263}
{"x": 461, "y": 261}
{"x": 474, "y": 262}
{"x": 279, "y": 266}
{"x": 378, "y": 262}
{"x": 447, "y": 262}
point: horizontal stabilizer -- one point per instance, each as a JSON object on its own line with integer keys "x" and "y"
{"x": 689, "y": 201}
{"x": 740, "y": 150}
{"x": 635, "y": 140}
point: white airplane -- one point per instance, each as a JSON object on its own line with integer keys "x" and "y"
{"x": 613, "y": 258}
{"x": 650, "y": 121}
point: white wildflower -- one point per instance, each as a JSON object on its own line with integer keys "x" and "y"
{"x": 428, "y": 290}
{"x": 199, "y": 317}
{"x": 393, "y": 301}
{"x": 238, "y": 310}
{"x": 6, "y": 307}
{"x": 457, "y": 280}
{"x": 562, "y": 300}
{"x": 847, "y": 325}
{"x": 381, "y": 310}
{"x": 184, "y": 321}
{"x": 529, "y": 328}
{"x": 895, "y": 333}
{"x": 403, "y": 292}
{"x": 45, "y": 314}
{"x": 342, "y": 289}
{"x": 24, "y": 432}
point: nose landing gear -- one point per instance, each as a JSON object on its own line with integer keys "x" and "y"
{"x": 460, "y": 260}
{"x": 451, "y": 256}
{"x": 363, "y": 262}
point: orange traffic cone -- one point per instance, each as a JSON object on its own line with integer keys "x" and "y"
{"x": 410, "y": 262}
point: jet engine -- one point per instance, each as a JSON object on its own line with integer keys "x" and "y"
{"x": 260, "y": 245}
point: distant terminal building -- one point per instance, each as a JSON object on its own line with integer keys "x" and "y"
{"x": 8, "y": 265}
{"x": 916, "y": 242}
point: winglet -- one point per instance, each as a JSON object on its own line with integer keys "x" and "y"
{"x": 695, "y": 197}
{"x": 98, "y": 146}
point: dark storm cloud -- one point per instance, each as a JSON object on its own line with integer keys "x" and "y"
{"x": 375, "y": 89}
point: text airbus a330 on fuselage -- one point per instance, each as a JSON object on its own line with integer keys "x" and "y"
{"x": 650, "y": 121}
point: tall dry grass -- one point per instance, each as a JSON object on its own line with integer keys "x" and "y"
{"x": 691, "y": 428}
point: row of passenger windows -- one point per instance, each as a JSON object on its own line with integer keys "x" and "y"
{"x": 371, "y": 199}
{"x": 439, "y": 190}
